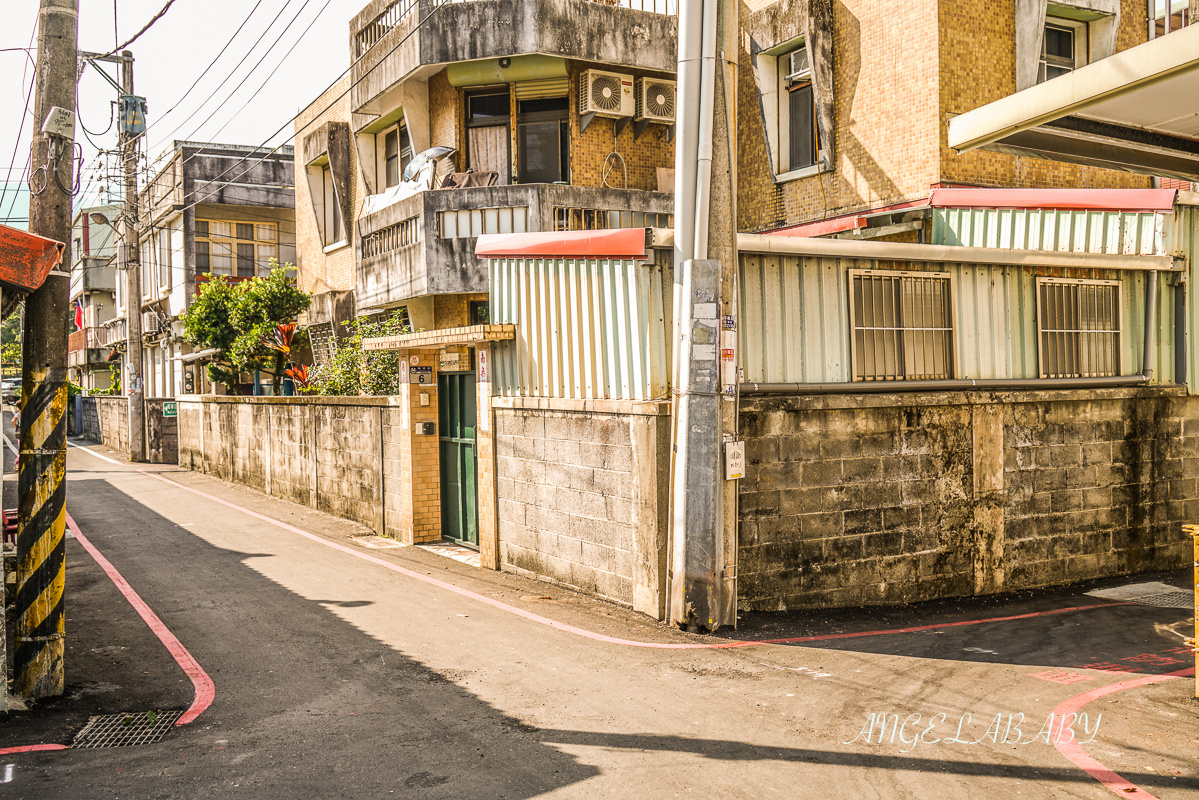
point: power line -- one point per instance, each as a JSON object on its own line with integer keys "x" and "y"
{"x": 211, "y": 64}
{"x": 233, "y": 71}
{"x": 145, "y": 28}
{"x": 28, "y": 97}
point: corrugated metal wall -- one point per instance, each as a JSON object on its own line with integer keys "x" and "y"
{"x": 1186, "y": 243}
{"x": 1071, "y": 231}
{"x": 795, "y": 318}
{"x": 585, "y": 328}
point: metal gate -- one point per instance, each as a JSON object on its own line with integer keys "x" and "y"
{"x": 459, "y": 482}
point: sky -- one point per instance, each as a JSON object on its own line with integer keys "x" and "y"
{"x": 194, "y": 91}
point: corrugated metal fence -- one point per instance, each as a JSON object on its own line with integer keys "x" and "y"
{"x": 795, "y": 319}
{"x": 585, "y": 328}
{"x": 1059, "y": 230}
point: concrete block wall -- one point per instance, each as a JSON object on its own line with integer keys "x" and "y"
{"x": 581, "y": 497}
{"x": 348, "y": 442}
{"x": 106, "y": 420}
{"x": 901, "y": 498}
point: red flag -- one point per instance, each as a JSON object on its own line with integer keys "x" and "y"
{"x": 79, "y": 314}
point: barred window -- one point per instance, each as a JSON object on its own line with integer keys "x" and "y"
{"x": 1078, "y": 325}
{"x": 902, "y": 325}
{"x": 235, "y": 249}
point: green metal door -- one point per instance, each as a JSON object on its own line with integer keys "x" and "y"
{"x": 459, "y": 485}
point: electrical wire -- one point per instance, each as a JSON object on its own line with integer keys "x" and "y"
{"x": 266, "y": 80}
{"x": 137, "y": 35}
{"x": 28, "y": 98}
{"x": 233, "y": 72}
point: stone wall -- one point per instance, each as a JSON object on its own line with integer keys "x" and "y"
{"x": 901, "y": 498}
{"x": 106, "y": 420}
{"x": 581, "y": 489}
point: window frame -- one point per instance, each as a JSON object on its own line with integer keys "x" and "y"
{"x": 856, "y": 357}
{"x": 1080, "y": 30}
{"x": 505, "y": 177}
{"x": 261, "y": 262}
{"x": 403, "y": 153}
{"x": 559, "y": 116}
{"x": 333, "y": 232}
{"x": 1117, "y": 350}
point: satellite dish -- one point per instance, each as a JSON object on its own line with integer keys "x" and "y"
{"x": 425, "y": 158}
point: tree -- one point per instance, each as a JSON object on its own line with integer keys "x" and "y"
{"x": 239, "y": 319}
{"x": 351, "y": 371}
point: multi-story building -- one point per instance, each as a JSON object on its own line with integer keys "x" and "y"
{"x": 93, "y": 292}
{"x": 208, "y": 210}
{"x": 540, "y": 114}
{"x": 844, "y": 106}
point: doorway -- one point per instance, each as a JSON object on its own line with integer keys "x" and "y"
{"x": 459, "y": 481}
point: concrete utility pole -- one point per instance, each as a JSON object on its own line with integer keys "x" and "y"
{"x": 131, "y": 263}
{"x": 41, "y": 483}
{"x": 702, "y": 590}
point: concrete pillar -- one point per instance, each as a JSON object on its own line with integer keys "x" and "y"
{"x": 489, "y": 530}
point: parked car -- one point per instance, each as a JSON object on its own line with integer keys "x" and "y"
{"x": 10, "y": 390}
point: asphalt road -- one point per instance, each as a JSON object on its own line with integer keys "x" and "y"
{"x": 337, "y": 676}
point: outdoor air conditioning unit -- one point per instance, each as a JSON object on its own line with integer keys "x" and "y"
{"x": 799, "y": 68}
{"x": 655, "y": 100}
{"x": 149, "y": 323}
{"x": 606, "y": 94}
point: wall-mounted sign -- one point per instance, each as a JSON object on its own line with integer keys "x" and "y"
{"x": 170, "y": 408}
{"x": 421, "y": 375}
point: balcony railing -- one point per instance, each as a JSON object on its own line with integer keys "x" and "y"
{"x": 87, "y": 338}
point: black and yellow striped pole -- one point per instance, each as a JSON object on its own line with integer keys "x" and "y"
{"x": 41, "y": 483}
{"x": 1193, "y": 530}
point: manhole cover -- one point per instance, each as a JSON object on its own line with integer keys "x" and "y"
{"x": 125, "y": 730}
{"x": 1162, "y": 595}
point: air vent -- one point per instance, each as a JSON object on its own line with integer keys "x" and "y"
{"x": 656, "y": 100}
{"x": 606, "y": 94}
{"x": 798, "y": 66}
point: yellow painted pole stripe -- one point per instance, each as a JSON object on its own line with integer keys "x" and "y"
{"x": 45, "y": 603}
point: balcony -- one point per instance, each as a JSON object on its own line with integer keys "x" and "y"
{"x": 634, "y": 34}
{"x": 425, "y": 244}
{"x": 93, "y": 274}
{"x": 85, "y": 348}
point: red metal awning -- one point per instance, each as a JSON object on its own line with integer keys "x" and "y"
{"x": 26, "y": 259}
{"x": 1069, "y": 199}
{"x": 615, "y": 243}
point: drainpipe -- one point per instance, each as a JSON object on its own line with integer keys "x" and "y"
{"x": 707, "y": 103}
{"x": 1150, "y": 326}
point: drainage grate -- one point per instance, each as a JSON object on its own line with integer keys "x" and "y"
{"x": 125, "y": 730}
{"x": 1153, "y": 593}
{"x": 1168, "y": 600}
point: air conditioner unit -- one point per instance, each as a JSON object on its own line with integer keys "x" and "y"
{"x": 606, "y": 94}
{"x": 656, "y": 99}
{"x": 149, "y": 323}
{"x": 799, "y": 68}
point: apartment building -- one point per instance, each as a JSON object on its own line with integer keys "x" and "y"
{"x": 208, "y": 210}
{"x": 94, "y": 279}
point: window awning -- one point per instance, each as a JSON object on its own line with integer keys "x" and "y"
{"x": 444, "y": 337}
{"x": 1137, "y": 111}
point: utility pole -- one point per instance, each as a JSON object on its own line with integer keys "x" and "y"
{"x": 131, "y": 263}
{"x": 41, "y": 483}
{"x": 703, "y": 518}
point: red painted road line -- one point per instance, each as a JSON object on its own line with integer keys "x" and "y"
{"x": 599, "y": 637}
{"x": 1073, "y": 750}
{"x": 205, "y": 689}
{"x": 33, "y": 748}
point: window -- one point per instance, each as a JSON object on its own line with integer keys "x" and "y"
{"x": 235, "y": 249}
{"x": 543, "y": 140}
{"x": 1167, "y": 15}
{"x": 1078, "y": 325}
{"x": 598, "y": 219}
{"x": 487, "y": 134}
{"x": 901, "y": 325}
{"x": 797, "y": 111}
{"x": 480, "y": 312}
{"x": 394, "y": 150}
{"x": 1063, "y": 48}
{"x": 331, "y": 209}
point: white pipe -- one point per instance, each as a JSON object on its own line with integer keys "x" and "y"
{"x": 707, "y": 105}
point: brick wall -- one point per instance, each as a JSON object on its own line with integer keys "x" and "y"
{"x": 901, "y": 498}
{"x": 581, "y": 500}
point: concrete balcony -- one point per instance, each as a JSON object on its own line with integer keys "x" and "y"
{"x": 93, "y": 274}
{"x": 635, "y": 34}
{"x": 425, "y": 244}
{"x": 85, "y": 348}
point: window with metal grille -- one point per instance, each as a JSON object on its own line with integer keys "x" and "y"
{"x": 1078, "y": 325}
{"x": 902, "y": 325}
{"x": 597, "y": 219}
